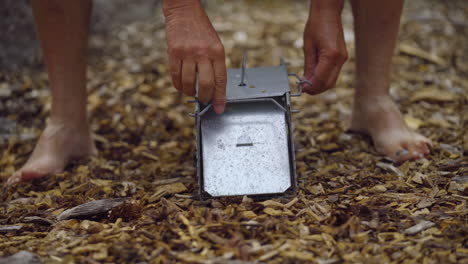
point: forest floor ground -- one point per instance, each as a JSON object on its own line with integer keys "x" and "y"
{"x": 352, "y": 205}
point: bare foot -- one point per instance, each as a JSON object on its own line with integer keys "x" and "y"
{"x": 58, "y": 145}
{"x": 380, "y": 118}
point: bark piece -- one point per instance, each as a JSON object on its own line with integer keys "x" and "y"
{"x": 419, "y": 227}
{"x": 22, "y": 257}
{"x": 91, "y": 209}
{"x": 11, "y": 228}
{"x": 37, "y": 220}
{"x": 390, "y": 168}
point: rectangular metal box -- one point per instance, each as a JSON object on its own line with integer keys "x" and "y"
{"x": 249, "y": 149}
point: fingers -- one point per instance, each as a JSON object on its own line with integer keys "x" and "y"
{"x": 176, "y": 72}
{"x": 206, "y": 81}
{"x": 188, "y": 77}
{"x": 333, "y": 77}
{"x": 220, "y": 79}
{"x": 212, "y": 78}
{"x": 310, "y": 62}
{"x": 211, "y": 69}
{"x": 321, "y": 76}
{"x": 322, "y": 70}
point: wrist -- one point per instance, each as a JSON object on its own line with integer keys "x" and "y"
{"x": 171, "y": 7}
{"x": 326, "y": 7}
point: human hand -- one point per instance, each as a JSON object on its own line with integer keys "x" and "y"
{"x": 324, "y": 45}
{"x": 194, "y": 47}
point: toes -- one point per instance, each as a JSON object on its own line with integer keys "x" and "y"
{"x": 410, "y": 147}
{"x": 397, "y": 152}
{"x": 420, "y": 144}
{"x": 422, "y": 139}
{"x": 413, "y": 148}
{"x": 31, "y": 175}
{"x": 424, "y": 147}
{"x": 14, "y": 179}
{"x": 25, "y": 175}
{"x": 404, "y": 154}
{"x": 417, "y": 149}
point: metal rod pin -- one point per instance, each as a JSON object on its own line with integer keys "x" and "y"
{"x": 244, "y": 62}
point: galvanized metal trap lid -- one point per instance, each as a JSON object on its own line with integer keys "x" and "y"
{"x": 259, "y": 82}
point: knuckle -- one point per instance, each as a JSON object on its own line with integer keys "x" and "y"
{"x": 177, "y": 50}
{"x": 335, "y": 54}
{"x": 175, "y": 71}
{"x": 344, "y": 56}
{"x": 175, "y": 80}
{"x": 205, "y": 84}
{"x": 205, "y": 98}
{"x": 219, "y": 99}
{"x": 200, "y": 50}
{"x": 338, "y": 55}
{"x": 220, "y": 80}
{"x": 217, "y": 49}
{"x": 187, "y": 84}
{"x": 175, "y": 74}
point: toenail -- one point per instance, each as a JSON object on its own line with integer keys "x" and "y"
{"x": 402, "y": 152}
{"x": 13, "y": 180}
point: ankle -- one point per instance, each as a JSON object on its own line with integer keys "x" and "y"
{"x": 77, "y": 126}
{"x": 371, "y": 98}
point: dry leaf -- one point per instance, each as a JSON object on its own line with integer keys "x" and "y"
{"x": 433, "y": 94}
{"x": 145, "y": 140}
{"x": 414, "y": 51}
{"x": 413, "y": 122}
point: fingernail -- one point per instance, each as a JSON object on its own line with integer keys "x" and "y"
{"x": 219, "y": 108}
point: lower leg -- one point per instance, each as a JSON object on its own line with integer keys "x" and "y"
{"x": 63, "y": 31}
{"x": 62, "y": 27}
{"x": 376, "y": 26}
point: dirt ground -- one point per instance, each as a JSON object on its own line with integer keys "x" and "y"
{"x": 353, "y": 206}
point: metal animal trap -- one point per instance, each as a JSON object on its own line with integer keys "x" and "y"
{"x": 249, "y": 149}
